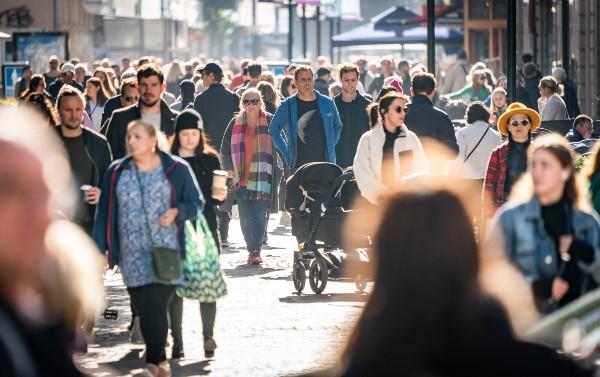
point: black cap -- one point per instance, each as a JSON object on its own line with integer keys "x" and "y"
{"x": 213, "y": 68}
{"x": 323, "y": 71}
{"x": 188, "y": 119}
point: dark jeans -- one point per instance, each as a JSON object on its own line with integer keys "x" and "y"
{"x": 253, "y": 219}
{"x": 151, "y": 303}
{"x": 224, "y": 216}
{"x": 208, "y": 313}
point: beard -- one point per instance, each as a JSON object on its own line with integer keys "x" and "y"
{"x": 148, "y": 103}
{"x": 71, "y": 125}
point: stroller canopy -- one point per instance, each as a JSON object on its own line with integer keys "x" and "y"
{"x": 315, "y": 179}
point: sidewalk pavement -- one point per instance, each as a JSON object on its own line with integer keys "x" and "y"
{"x": 263, "y": 328}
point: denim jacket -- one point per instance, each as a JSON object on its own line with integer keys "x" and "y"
{"x": 533, "y": 251}
{"x": 284, "y": 127}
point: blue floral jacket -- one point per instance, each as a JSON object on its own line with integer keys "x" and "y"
{"x": 185, "y": 194}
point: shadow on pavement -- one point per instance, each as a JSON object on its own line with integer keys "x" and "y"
{"x": 197, "y": 368}
{"x": 230, "y": 250}
{"x": 281, "y": 231}
{"x": 246, "y": 270}
{"x": 329, "y": 297}
{"x": 125, "y": 365}
{"x": 288, "y": 277}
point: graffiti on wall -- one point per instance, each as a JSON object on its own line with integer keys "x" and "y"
{"x": 16, "y": 18}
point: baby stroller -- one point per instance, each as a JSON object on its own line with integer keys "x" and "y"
{"x": 319, "y": 198}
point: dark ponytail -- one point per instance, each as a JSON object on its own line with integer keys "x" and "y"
{"x": 376, "y": 110}
{"x": 373, "y": 113}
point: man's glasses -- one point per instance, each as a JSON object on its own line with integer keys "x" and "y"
{"x": 131, "y": 98}
{"x": 250, "y": 102}
{"x": 523, "y": 122}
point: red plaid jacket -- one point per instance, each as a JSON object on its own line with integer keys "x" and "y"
{"x": 494, "y": 195}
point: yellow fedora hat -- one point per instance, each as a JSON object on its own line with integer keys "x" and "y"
{"x": 518, "y": 108}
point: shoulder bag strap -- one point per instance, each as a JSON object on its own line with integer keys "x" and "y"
{"x": 477, "y": 145}
{"x": 147, "y": 222}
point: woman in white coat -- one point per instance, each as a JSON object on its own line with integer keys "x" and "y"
{"x": 389, "y": 151}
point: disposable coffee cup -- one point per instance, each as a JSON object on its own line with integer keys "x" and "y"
{"x": 219, "y": 181}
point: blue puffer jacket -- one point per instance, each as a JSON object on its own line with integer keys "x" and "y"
{"x": 284, "y": 127}
{"x": 533, "y": 251}
{"x": 185, "y": 196}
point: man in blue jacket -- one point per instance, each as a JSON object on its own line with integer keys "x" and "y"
{"x": 307, "y": 126}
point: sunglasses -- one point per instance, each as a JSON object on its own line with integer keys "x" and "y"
{"x": 131, "y": 98}
{"x": 401, "y": 109}
{"x": 250, "y": 102}
{"x": 523, "y": 123}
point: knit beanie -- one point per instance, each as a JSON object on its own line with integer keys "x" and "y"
{"x": 188, "y": 119}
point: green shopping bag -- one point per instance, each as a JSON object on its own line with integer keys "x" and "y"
{"x": 202, "y": 275}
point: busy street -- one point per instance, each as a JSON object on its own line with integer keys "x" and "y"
{"x": 257, "y": 321}
{"x": 306, "y": 188}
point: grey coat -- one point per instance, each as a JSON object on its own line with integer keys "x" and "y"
{"x": 554, "y": 109}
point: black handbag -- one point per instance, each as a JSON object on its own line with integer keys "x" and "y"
{"x": 167, "y": 261}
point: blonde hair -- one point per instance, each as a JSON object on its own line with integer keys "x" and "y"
{"x": 552, "y": 84}
{"x": 162, "y": 143}
{"x": 254, "y": 91}
{"x": 558, "y": 146}
{"x": 71, "y": 275}
{"x": 495, "y": 91}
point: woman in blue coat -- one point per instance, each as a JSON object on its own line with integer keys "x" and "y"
{"x": 146, "y": 197}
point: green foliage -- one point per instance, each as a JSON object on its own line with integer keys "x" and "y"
{"x": 580, "y": 162}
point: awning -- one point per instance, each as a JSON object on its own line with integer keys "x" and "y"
{"x": 4, "y": 35}
{"x": 393, "y": 17}
{"x": 367, "y": 34}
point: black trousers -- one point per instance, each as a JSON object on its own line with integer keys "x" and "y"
{"x": 151, "y": 303}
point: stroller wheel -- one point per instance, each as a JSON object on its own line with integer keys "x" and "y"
{"x": 299, "y": 276}
{"x": 318, "y": 275}
{"x": 361, "y": 283}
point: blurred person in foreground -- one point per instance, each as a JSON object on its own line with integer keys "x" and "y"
{"x": 447, "y": 324}
{"x": 145, "y": 198}
{"x": 48, "y": 287}
{"x": 548, "y": 232}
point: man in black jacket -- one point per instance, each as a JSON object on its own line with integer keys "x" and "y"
{"x": 582, "y": 129}
{"x": 426, "y": 120}
{"x": 150, "y": 108}
{"x": 129, "y": 96}
{"x": 67, "y": 76}
{"x": 217, "y": 106}
{"x": 352, "y": 107}
{"x": 89, "y": 154}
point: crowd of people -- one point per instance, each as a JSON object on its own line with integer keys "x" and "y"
{"x": 145, "y": 141}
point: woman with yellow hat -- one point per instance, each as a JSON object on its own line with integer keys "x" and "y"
{"x": 509, "y": 160}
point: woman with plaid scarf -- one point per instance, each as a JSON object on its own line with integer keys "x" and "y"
{"x": 247, "y": 153}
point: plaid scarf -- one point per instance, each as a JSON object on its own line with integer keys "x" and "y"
{"x": 261, "y": 166}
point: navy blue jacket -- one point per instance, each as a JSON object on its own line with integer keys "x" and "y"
{"x": 185, "y": 196}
